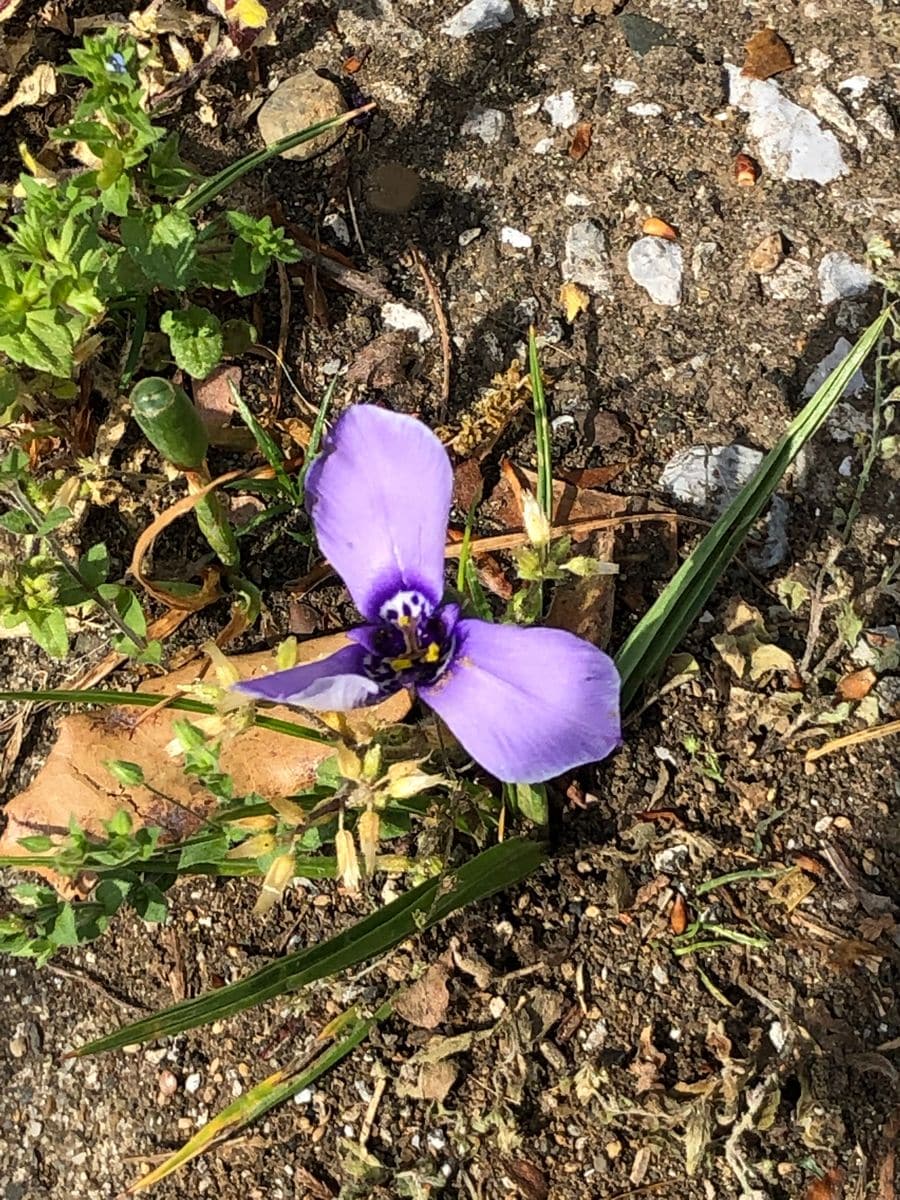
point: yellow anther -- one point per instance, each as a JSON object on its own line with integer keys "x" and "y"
{"x": 433, "y": 653}
{"x": 403, "y": 620}
{"x": 401, "y": 664}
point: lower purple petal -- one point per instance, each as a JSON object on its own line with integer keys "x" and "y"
{"x": 333, "y": 684}
{"x": 528, "y": 704}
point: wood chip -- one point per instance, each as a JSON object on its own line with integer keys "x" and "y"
{"x": 767, "y": 55}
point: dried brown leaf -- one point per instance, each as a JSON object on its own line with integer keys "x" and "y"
{"x": 74, "y": 783}
{"x": 678, "y": 915}
{"x": 767, "y": 255}
{"x": 384, "y": 362}
{"x": 581, "y": 140}
{"x": 829, "y": 1187}
{"x": 647, "y": 1065}
{"x": 433, "y": 1082}
{"x": 528, "y": 1178}
{"x": 767, "y": 55}
{"x": 34, "y": 90}
{"x": 425, "y": 1002}
{"x": 857, "y": 685}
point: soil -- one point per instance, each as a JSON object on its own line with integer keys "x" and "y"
{"x": 608, "y": 1053}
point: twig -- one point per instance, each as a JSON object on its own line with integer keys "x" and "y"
{"x": 22, "y": 501}
{"x": 853, "y": 739}
{"x": 194, "y": 74}
{"x": 369, "y": 1118}
{"x": 816, "y": 611}
{"x": 98, "y": 985}
{"x": 509, "y": 541}
{"x": 351, "y": 207}
{"x": 440, "y": 317}
{"x": 347, "y": 277}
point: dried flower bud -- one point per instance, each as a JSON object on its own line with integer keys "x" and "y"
{"x": 371, "y": 769}
{"x": 286, "y": 654}
{"x": 537, "y": 526}
{"x": 347, "y": 862}
{"x": 412, "y": 784}
{"x": 349, "y": 763}
{"x": 278, "y": 876}
{"x": 254, "y": 824}
{"x": 226, "y": 672}
{"x": 368, "y": 830}
{"x": 290, "y": 813}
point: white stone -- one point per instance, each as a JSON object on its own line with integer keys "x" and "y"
{"x": 515, "y": 238}
{"x": 485, "y": 123}
{"x": 544, "y": 146}
{"x": 399, "y": 316}
{"x": 304, "y": 1096}
{"x": 192, "y": 1083}
{"x": 623, "y": 87}
{"x": 881, "y": 121}
{"x": 586, "y": 259}
{"x": 709, "y": 477}
{"x": 856, "y": 383}
{"x": 818, "y": 60}
{"x": 846, "y": 467}
{"x": 469, "y": 235}
{"x": 657, "y": 266}
{"x": 840, "y": 278}
{"x": 791, "y": 142}
{"x": 645, "y": 110}
{"x": 339, "y": 228}
{"x": 855, "y": 85}
{"x": 576, "y": 200}
{"x": 826, "y": 105}
{"x": 479, "y": 16}
{"x": 561, "y": 109}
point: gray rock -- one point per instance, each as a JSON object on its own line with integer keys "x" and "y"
{"x": 484, "y": 123}
{"x": 586, "y": 260}
{"x": 856, "y": 383}
{"x": 792, "y": 281}
{"x": 844, "y": 422}
{"x": 561, "y": 109}
{"x": 657, "y": 266}
{"x": 302, "y": 100}
{"x": 840, "y": 278}
{"x": 709, "y": 477}
{"x": 479, "y": 16}
{"x": 791, "y": 141}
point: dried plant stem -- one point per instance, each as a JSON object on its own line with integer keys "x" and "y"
{"x": 853, "y": 739}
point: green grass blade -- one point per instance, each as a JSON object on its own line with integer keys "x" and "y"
{"x": 265, "y": 1095}
{"x": 216, "y": 184}
{"x": 467, "y": 581}
{"x": 541, "y": 429}
{"x": 148, "y": 700}
{"x": 661, "y": 629}
{"x": 318, "y": 432}
{"x": 268, "y": 447}
{"x": 420, "y": 908}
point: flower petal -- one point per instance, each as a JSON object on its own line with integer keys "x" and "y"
{"x": 333, "y": 684}
{"x": 528, "y": 704}
{"x": 379, "y": 497}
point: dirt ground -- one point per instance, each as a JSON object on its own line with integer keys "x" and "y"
{"x": 605, "y": 1058}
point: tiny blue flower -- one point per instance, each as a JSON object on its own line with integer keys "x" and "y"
{"x": 116, "y": 64}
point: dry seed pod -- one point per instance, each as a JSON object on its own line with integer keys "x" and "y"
{"x": 746, "y": 171}
{"x": 657, "y": 227}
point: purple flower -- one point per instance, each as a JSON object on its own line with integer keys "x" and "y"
{"x": 526, "y": 703}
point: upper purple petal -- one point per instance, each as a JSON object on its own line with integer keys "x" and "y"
{"x": 379, "y": 497}
{"x": 528, "y": 704}
{"x": 333, "y": 684}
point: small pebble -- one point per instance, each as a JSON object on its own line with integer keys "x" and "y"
{"x": 515, "y": 238}
{"x": 586, "y": 259}
{"x": 18, "y": 1046}
{"x": 645, "y": 110}
{"x": 657, "y": 266}
{"x": 484, "y": 123}
{"x": 399, "y": 316}
{"x": 168, "y": 1083}
{"x": 302, "y": 100}
{"x": 192, "y": 1083}
{"x": 479, "y": 16}
{"x": 856, "y": 383}
{"x": 469, "y": 235}
{"x": 840, "y": 278}
{"x": 561, "y": 109}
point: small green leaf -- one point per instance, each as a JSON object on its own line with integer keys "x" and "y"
{"x": 53, "y": 520}
{"x": 110, "y": 893}
{"x": 164, "y": 250}
{"x": 38, "y": 844}
{"x": 48, "y": 628}
{"x": 64, "y": 931}
{"x": 531, "y": 801}
{"x": 149, "y": 902}
{"x": 129, "y": 774}
{"x": 195, "y": 336}
{"x": 16, "y": 522}
{"x": 94, "y": 565}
